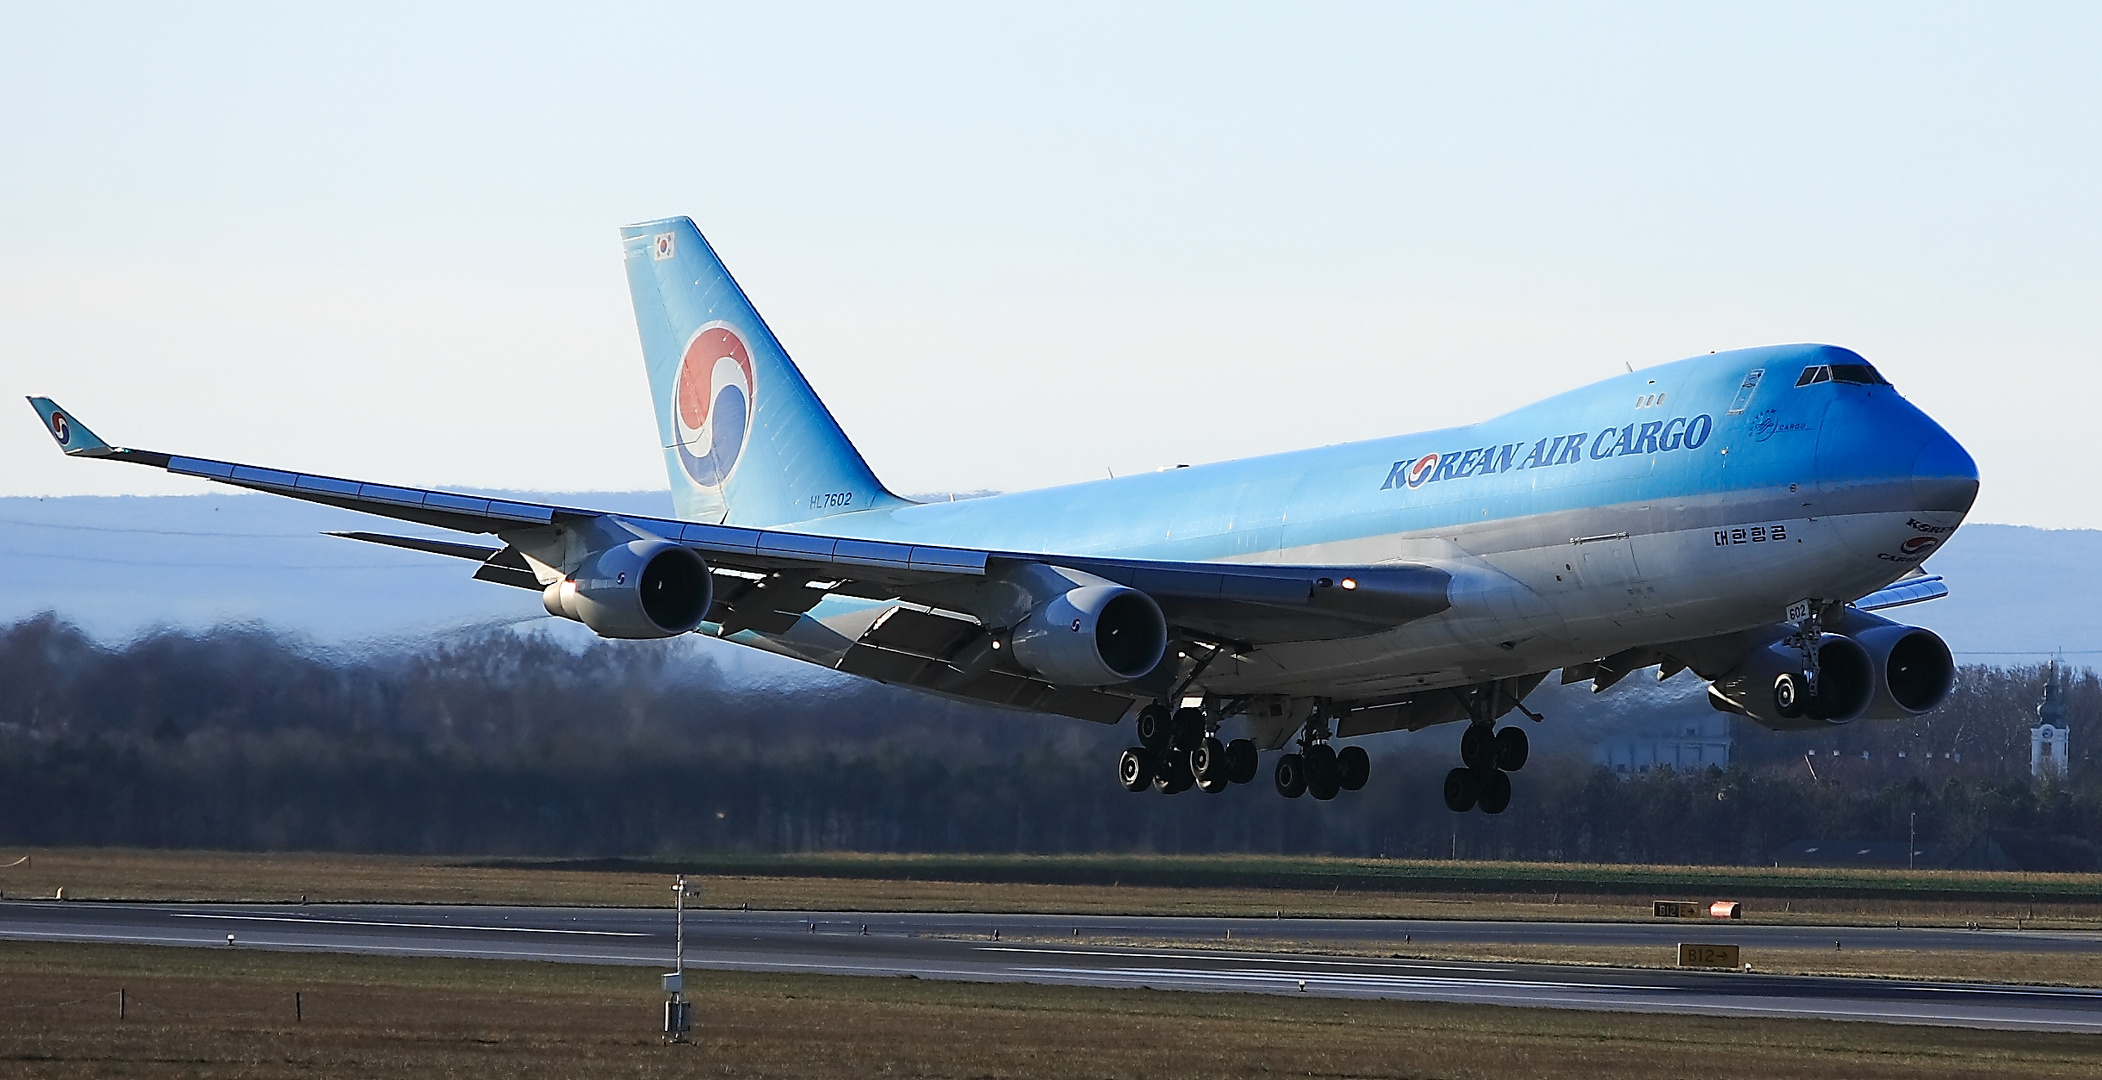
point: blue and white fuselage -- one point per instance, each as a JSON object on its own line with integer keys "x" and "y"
{"x": 1682, "y": 501}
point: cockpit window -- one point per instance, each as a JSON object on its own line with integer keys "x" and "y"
{"x": 1858, "y": 374}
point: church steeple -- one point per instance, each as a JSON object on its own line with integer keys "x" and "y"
{"x": 2047, "y": 740}
{"x": 2051, "y": 710}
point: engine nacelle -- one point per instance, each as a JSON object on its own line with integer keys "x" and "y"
{"x": 640, "y": 589}
{"x": 1094, "y": 635}
{"x": 1769, "y": 685}
{"x": 1913, "y": 668}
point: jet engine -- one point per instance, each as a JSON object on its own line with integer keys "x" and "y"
{"x": 1093, "y": 635}
{"x": 1913, "y": 669}
{"x": 640, "y": 589}
{"x": 1770, "y": 685}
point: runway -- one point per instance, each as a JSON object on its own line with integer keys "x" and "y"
{"x": 1045, "y": 949}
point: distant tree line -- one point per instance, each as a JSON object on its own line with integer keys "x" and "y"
{"x": 508, "y": 743}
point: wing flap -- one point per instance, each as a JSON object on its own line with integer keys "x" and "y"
{"x": 909, "y": 647}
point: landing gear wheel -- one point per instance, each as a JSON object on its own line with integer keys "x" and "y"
{"x": 1155, "y": 728}
{"x": 1462, "y": 789}
{"x": 1512, "y": 748}
{"x": 1214, "y": 786}
{"x": 1291, "y": 776}
{"x": 1241, "y": 761}
{"x": 1495, "y": 792}
{"x": 1354, "y": 767}
{"x": 1789, "y": 695}
{"x": 1323, "y": 777}
{"x": 1135, "y": 769}
{"x": 1478, "y": 747}
{"x": 1208, "y": 762}
{"x": 1171, "y": 773}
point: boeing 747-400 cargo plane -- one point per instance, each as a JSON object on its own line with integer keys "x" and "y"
{"x": 1741, "y": 514}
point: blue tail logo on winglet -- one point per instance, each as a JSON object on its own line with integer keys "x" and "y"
{"x": 712, "y": 403}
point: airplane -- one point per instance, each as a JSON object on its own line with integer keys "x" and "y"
{"x": 1741, "y": 514}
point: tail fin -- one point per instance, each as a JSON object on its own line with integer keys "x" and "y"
{"x": 747, "y": 442}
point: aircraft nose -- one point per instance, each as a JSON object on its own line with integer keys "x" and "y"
{"x": 1870, "y": 440}
{"x": 1943, "y": 475}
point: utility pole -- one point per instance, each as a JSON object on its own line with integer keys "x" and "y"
{"x": 1912, "y": 832}
{"x": 678, "y": 1012}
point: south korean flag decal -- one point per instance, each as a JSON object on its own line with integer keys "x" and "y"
{"x": 663, "y": 247}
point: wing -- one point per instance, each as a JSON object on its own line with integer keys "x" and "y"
{"x": 769, "y": 580}
{"x": 1913, "y": 588}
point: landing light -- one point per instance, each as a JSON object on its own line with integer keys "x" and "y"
{"x": 1350, "y": 583}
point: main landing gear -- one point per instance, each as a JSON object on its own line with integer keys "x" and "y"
{"x": 1181, "y": 750}
{"x": 1489, "y": 755}
{"x": 1319, "y": 769}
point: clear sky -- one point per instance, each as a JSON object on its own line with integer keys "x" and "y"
{"x": 1015, "y": 246}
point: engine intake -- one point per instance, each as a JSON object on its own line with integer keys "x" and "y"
{"x": 1094, "y": 635}
{"x": 1914, "y": 670}
{"x": 640, "y": 589}
{"x": 1769, "y": 685}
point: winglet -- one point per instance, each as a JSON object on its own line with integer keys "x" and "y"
{"x": 72, "y": 435}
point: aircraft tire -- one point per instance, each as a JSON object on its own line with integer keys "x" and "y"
{"x": 1478, "y": 747}
{"x": 1512, "y": 749}
{"x": 1208, "y": 762}
{"x": 1355, "y": 767}
{"x": 1496, "y": 792}
{"x": 1242, "y": 761}
{"x": 1462, "y": 790}
{"x": 1291, "y": 776}
{"x": 1156, "y": 728}
{"x": 1214, "y": 785}
{"x": 1323, "y": 776}
{"x": 1135, "y": 769}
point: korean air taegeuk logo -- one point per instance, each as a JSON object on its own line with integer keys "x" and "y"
{"x": 712, "y": 402}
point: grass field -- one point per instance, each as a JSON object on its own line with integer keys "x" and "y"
{"x": 2082, "y": 969}
{"x": 1226, "y": 885}
{"x": 212, "y": 1013}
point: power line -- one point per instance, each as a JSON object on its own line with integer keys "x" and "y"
{"x": 155, "y": 532}
{"x": 2032, "y": 652}
{"x": 31, "y": 555}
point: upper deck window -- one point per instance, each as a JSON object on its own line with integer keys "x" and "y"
{"x": 1858, "y": 374}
